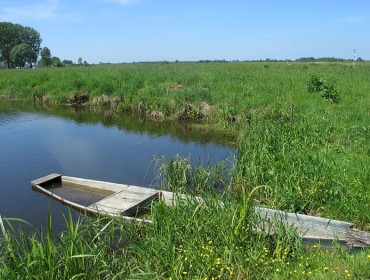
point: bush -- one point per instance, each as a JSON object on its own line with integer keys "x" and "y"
{"x": 327, "y": 88}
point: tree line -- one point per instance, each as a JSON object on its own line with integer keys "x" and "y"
{"x": 20, "y": 46}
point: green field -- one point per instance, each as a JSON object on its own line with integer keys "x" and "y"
{"x": 304, "y": 145}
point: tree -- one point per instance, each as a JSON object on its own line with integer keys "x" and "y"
{"x": 80, "y": 60}
{"x": 9, "y": 38}
{"x": 56, "y": 62}
{"x": 21, "y": 55}
{"x": 12, "y": 35}
{"x": 46, "y": 58}
{"x": 32, "y": 38}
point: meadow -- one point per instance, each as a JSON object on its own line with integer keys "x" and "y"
{"x": 303, "y": 146}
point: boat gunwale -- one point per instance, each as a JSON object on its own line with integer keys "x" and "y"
{"x": 37, "y": 185}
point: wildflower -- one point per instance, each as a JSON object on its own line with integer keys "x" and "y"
{"x": 210, "y": 242}
{"x": 184, "y": 272}
{"x": 326, "y": 268}
{"x": 368, "y": 256}
{"x": 277, "y": 270}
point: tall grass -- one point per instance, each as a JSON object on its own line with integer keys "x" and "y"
{"x": 229, "y": 94}
{"x": 304, "y": 169}
{"x": 215, "y": 239}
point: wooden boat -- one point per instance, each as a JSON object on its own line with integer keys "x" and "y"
{"x": 127, "y": 201}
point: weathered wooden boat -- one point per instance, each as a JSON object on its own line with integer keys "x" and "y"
{"x": 127, "y": 201}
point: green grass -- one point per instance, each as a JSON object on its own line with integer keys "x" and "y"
{"x": 314, "y": 160}
{"x": 234, "y": 93}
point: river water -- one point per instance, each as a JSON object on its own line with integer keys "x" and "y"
{"x": 36, "y": 141}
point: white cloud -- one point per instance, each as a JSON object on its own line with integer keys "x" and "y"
{"x": 37, "y": 11}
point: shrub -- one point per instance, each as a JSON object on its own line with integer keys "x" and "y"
{"x": 327, "y": 88}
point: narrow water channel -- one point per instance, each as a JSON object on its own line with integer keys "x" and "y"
{"x": 36, "y": 141}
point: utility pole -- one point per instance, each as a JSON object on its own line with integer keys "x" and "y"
{"x": 354, "y": 56}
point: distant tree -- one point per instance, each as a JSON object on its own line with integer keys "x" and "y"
{"x": 56, "y": 62}
{"x": 21, "y": 55}
{"x": 85, "y": 63}
{"x": 67, "y": 62}
{"x": 80, "y": 60}
{"x": 12, "y": 35}
{"x": 46, "y": 58}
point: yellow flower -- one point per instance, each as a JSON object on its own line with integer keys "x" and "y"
{"x": 326, "y": 268}
{"x": 277, "y": 270}
{"x": 184, "y": 272}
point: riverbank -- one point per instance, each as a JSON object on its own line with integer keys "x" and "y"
{"x": 229, "y": 95}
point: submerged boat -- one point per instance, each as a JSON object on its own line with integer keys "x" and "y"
{"x": 128, "y": 201}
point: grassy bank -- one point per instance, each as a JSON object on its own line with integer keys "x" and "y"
{"x": 304, "y": 132}
{"x": 228, "y": 94}
{"x": 185, "y": 242}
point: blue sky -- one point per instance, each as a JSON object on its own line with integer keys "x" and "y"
{"x": 153, "y": 30}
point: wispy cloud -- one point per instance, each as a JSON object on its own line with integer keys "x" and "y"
{"x": 43, "y": 10}
{"x": 124, "y": 2}
{"x": 355, "y": 19}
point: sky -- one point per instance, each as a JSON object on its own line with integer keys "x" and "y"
{"x": 115, "y": 31}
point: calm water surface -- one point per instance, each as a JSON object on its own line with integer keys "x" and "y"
{"x": 36, "y": 141}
